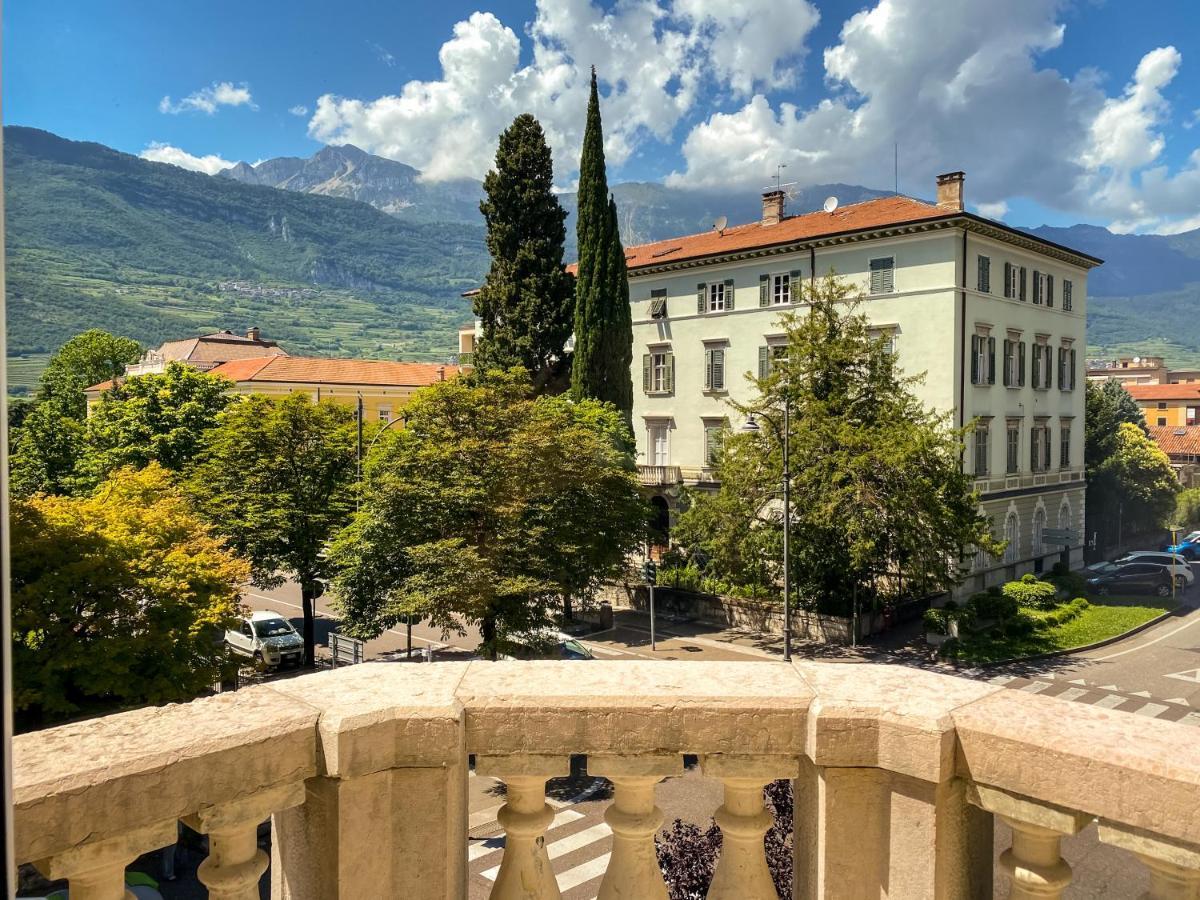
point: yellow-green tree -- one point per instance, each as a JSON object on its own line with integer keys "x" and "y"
{"x": 119, "y": 598}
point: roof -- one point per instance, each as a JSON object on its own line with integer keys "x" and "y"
{"x": 1177, "y": 440}
{"x": 1164, "y": 391}
{"x": 319, "y": 370}
{"x": 882, "y": 212}
{"x": 218, "y": 347}
{"x": 104, "y": 385}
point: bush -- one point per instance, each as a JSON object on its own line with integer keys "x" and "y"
{"x": 936, "y": 621}
{"x": 1031, "y": 593}
{"x": 994, "y": 606}
{"x": 1018, "y": 627}
{"x": 1064, "y": 613}
{"x": 1068, "y": 584}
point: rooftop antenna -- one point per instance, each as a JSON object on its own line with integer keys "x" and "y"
{"x": 720, "y": 223}
{"x": 779, "y": 175}
{"x": 896, "y": 164}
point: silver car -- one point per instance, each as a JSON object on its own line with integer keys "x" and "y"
{"x": 1181, "y": 568}
{"x": 268, "y": 639}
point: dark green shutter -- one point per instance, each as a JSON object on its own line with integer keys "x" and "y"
{"x": 646, "y": 373}
{"x": 1037, "y": 366}
{"x": 975, "y": 341}
{"x": 1008, "y": 279}
{"x": 1049, "y": 290}
{"x": 991, "y": 360}
{"x": 1007, "y": 363}
{"x": 729, "y": 293}
{"x": 701, "y": 298}
{"x": 719, "y": 369}
{"x": 1037, "y": 286}
{"x": 764, "y": 290}
{"x": 795, "y": 285}
{"x": 669, "y": 373}
{"x": 1020, "y": 364}
{"x": 1021, "y": 286}
{"x": 764, "y": 362}
{"x": 1072, "y": 369}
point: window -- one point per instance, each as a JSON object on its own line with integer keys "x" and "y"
{"x": 1043, "y": 366}
{"x": 1068, "y": 302}
{"x": 1039, "y": 525}
{"x": 1066, "y": 369}
{"x": 658, "y": 372}
{"x": 767, "y": 355}
{"x": 1191, "y": 415}
{"x": 1162, "y": 404}
{"x": 888, "y": 336}
{"x": 658, "y": 443}
{"x": 714, "y": 436}
{"x": 1012, "y": 534}
{"x": 983, "y": 359}
{"x": 1064, "y": 446}
{"x": 1039, "y": 448}
{"x": 1162, "y": 420}
{"x": 883, "y": 272}
{"x": 1014, "y": 363}
{"x": 714, "y": 368}
{"x": 982, "y": 437}
{"x": 1014, "y": 448}
{"x": 658, "y": 303}
{"x": 1043, "y": 288}
{"x": 715, "y": 296}
{"x": 985, "y": 275}
{"x": 385, "y": 414}
{"x": 781, "y": 289}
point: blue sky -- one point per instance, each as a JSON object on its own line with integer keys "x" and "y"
{"x": 1058, "y": 111}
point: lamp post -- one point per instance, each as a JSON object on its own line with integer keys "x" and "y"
{"x": 752, "y": 427}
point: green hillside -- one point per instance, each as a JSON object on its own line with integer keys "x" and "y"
{"x": 103, "y": 239}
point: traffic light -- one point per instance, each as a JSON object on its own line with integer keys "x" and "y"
{"x": 649, "y": 571}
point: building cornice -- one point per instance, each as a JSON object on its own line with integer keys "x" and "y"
{"x": 952, "y": 221}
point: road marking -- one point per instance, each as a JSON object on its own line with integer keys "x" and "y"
{"x": 578, "y": 840}
{"x": 1002, "y": 679}
{"x": 1111, "y": 701}
{"x": 586, "y": 872}
{"x": 1192, "y": 675}
{"x": 1071, "y": 694}
{"x": 1192, "y": 718}
{"x": 479, "y": 849}
{"x": 607, "y": 651}
{"x": 1145, "y": 694}
{"x": 1182, "y": 701}
{"x": 1078, "y": 681}
{"x": 564, "y": 817}
{"x": 1153, "y": 710}
{"x": 1109, "y": 687}
{"x": 1036, "y": 687}
{"x": 483, "y": 816}
{"x": 1161, "y": 637}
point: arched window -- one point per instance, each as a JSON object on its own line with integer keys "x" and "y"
{"x": 1064, "y": 514}
{"x": 1012, "y": 534}
{"x": 1039, "y": 525}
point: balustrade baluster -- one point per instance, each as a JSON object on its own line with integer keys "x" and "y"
{"x": 96, "y": 871}
{"x": 633, "y": 871}
{"x": 1174, "y": 867}
{"x": 1034, "y": 863}
{"x": 235, "y": 863}
{"x": 742, "y": 872}
{"x": 525, "y": 872}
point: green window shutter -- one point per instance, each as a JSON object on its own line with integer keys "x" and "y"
{"x": 991, "y": 379}
{"x": 669, "y": 374}
{"x": 985, "y": 275}
{"x": 1008, "y": 279}
{"x": 1033, "y": 449}
{"x": 718, "y": 368}
{"x": 1037, "y": 366}
{"x": 764, "y": 290}
{"x": 795, "y": 285}
{"x": 975, "y": 340}
{"x": 1067, "y": 300}
{"x": 729, "y": 293}
{"x": 1037, "y": 286}
{"x": 1049, "y": 290}
{"x": 1021, "y": 286}
{"x": 1020, "y": 363}
{"x": 764, "y": 362}
{"x": 701, "y": 298}
{"x": 646, "y": 373}
{"x": 1072, "y": 368}
{"x": 1007, "y": 363}
{"x": 883, "y": 275}
{"x": 708, "y": 368}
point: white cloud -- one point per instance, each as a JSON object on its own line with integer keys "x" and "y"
{"x": 209, "y": 99}
{"x": 384, "y": 57}
{"x": 165, "y": 153}
{"x": 299, "y": 110}
{"x": 997, "y": 210}
{"x": 652, "y": 56}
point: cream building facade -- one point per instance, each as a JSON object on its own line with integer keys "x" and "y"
{"x": 993, "y": 317}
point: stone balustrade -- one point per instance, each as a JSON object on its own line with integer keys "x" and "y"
{"x": 899, "y": 775}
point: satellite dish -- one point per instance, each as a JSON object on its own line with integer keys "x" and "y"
{"x": 720, "y": 223}
{"x": 1136, "y": 360}
{"x": 831, "y": 203}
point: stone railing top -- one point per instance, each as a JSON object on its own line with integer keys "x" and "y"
{"x": 97, "y": 779}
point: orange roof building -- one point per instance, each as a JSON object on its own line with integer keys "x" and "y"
{"x": 1168, "y": 405}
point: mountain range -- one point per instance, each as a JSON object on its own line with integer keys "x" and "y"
{"x": 352, "y": 254}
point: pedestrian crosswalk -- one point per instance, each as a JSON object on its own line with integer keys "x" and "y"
{"x": 1105, "y": 696}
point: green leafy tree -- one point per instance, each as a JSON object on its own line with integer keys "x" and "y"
{"x": 492, "y": 507}
{"x": 276, "y": 477}
{"x": 603, "y": 323}
{"x": 527, "y": 300}
{"x": 119, "y": 598}
{"x": 47, "y": 441}
{"x": 1143, "y": 483}
{"x": 880, "y": 502}
{"x": 159, "y": 418}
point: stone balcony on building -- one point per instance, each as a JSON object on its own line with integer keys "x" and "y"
{"x": 899, "y": 775}
{"x": 659, "y": 476}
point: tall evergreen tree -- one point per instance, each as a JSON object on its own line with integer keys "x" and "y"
{"x": 526, "y": 302}
{"x": 603, "y": 327}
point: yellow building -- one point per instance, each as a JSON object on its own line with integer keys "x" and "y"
{"x": 1168, "y": 405}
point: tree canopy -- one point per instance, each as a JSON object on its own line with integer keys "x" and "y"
{"x": 526, "y": 303}
{"x": 880, "y": 502}
{"x": 90, "y": 357}
{"x": 276, "y": 478}
{"x": 490, "y": 508}
{"x": 119, "y": 598}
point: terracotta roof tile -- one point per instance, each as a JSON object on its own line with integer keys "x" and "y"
{"x": 317, "y": 370}
{"x": 1164, "y": 391}
{"x": 1176, "y": 440}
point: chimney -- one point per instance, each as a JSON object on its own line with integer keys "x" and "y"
{"x": 772, "y": 207}
{"x": 950, "y": 191}
{"x": 253, "y": 333}
{"x": 441, "y": 373}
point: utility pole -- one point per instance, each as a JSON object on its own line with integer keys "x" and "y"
{"x": 787, "y": 528}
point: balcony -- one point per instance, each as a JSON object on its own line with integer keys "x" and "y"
{"x": 899, "y": 776}
{"x": 659, "y": 476}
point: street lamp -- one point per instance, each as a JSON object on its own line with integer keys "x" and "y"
{"x": 752, "y": 427}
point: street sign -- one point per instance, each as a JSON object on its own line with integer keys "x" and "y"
{"x": 1060, "y": 536}
{"x": 345, "y": 650}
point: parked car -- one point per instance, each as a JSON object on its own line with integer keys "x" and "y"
{"x": 548, "y": 645}
{"x": 1182, "y": 569}
{"x": 1188, "y": 548}
{"x": 268, "y": 639}
{"x": 1133, "y": 578}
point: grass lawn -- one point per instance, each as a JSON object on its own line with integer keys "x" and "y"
{"x": 1106, "y": 617}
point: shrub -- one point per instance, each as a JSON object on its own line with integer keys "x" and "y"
{"x": 1069, "y": 584}
{"x": 936, "y": 621}
{"x": 993, "y": 606}
{"x": 1018, "y": 627}
{"x": 1031, "y": 593}
{"x": 1064, "y": 613}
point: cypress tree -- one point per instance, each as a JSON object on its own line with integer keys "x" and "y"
{"x": 526, "y": 301}
{"x": 603, "y": 328}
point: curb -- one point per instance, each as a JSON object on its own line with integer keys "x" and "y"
{"x": 1137, "y": 629}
